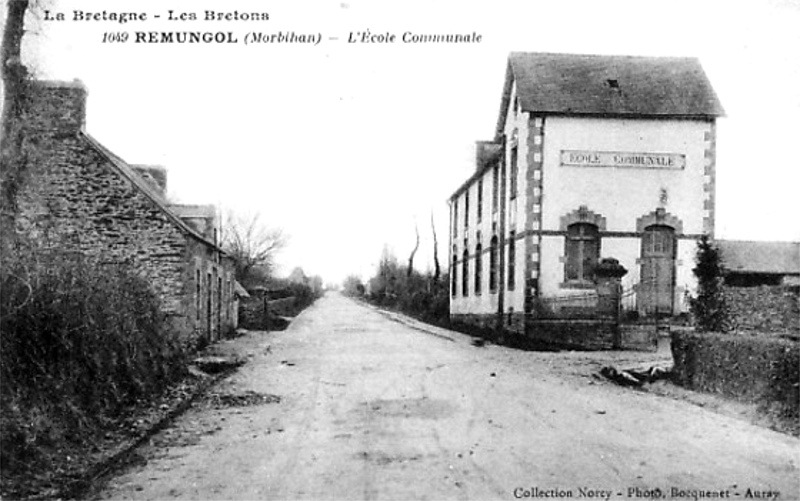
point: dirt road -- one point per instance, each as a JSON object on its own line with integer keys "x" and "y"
{"x": 371, "y": 408}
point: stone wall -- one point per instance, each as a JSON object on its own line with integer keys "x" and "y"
{"x": 481, "y": 322}
{"x": 208, "y": 300}
{"x": 573, "y": 333}
{"x": 765, "y": 308}
{"x": 72, "y": 197}
{"x": 254, "y": 313}
{"x": 284, "y": 307}
{"x": 576, "y": 334}
{"x": 56, "y": 107}
{"x": 77, "y": 195}
{"x": 259, "y": 313}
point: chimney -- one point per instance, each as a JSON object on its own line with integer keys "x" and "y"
{"x": 155, "y": 175}
{"x": 486, "y": 152}
{"x": 202, "y": 218}
{"x": 57, "y": 107}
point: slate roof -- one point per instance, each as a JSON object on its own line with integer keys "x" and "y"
{"x": 760, "y": 257}
{"x": 609, "y": 85}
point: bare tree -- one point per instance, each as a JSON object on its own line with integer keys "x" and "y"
{"x": 410, "y": 269}
{"x": 437, "y": 269}
{"x": 252, "y": 246}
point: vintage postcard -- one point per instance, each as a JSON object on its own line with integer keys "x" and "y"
{"x": 350, "y": 249}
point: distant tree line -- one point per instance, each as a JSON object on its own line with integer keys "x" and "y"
{"x": 422, "y": 295}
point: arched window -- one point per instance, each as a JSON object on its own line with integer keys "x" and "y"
{"x": 478, "y": 268}
{"x": 465, "y": 275}
{"x": 582, "y": 252}
{"x": 493, "y": 265}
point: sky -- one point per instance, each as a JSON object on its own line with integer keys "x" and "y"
{"x": 347, "y": 146}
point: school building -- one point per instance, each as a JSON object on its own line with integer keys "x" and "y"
{"x": 593, "y": 157}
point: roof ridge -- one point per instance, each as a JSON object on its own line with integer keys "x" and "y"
{"x": 627, "y": 56}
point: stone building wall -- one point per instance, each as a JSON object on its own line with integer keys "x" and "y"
{"x": 74, "y": 199}
{"x": 77, "y": 195}
{"x": 765, "y": 308}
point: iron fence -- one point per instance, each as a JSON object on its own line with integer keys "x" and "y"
{"x": 586, "y": 305}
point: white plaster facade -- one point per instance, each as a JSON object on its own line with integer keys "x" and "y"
{"x": 621, "y": 195}
{"x": 647, "y": 171}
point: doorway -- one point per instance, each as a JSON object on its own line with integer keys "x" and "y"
{"x": 656, "y": 296}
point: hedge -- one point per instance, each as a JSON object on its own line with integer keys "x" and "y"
{"x": 756, "y": 369}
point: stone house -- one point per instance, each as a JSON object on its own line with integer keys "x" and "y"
{"x": 592, "y": 157}
{"x": 77, "y": 194}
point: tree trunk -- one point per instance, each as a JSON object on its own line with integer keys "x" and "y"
{"x": 12, "y": 134}
{"x": 413, "y": 252}
{"x": 437, "y": 270}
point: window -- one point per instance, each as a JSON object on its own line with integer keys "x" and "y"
{"x": 455, "y": 216}
{"x": 512, "y": 186}
{"x": 219, "y": 304}
{"x": 582, "y": 253}
{"x": 478, "y": 270}
{"x": 209, "y": 298}
{"x": 465, "y": 275}
{"x": 493, "y": 265}
{"x": 658, "y": 241}
{"x": 495, "y": 186}
{"x": 480, "y": 199}
{"x": 466, "y": 208}
{"x": 453, "y": 277}
{"x": 512, "y": 254}
{"x": 197, "y": 295}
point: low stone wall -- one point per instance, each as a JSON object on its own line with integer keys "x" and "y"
{"x": 576, "y": 334}
{"x": 258, "y": 313}
{"x": 581, "y": 334}
{"x": 765, "y": 308}
{"x": 512, "y": 322}
{"x": 284, "y": 307}
{"x": 757, "y": 369}
{"x": 253, "y": 313}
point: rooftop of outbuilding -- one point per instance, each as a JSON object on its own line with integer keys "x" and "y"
{"x": 742, "y": 256}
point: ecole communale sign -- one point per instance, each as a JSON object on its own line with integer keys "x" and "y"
{"x": 574, "y": 158}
